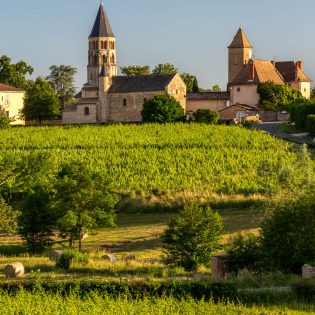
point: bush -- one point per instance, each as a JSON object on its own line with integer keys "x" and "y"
{"x": 192, "y": 237}
{"x": 288, "y": 234}
{"x": 245, "y": 252}
{"x": 70, "y": 257}
{"x": 300, "y": 111}
{"x": 310, "y": 124}
{"x": 162, "y": 109}
{"x": 4, "y": 121}
{"x": 207, "y": 116}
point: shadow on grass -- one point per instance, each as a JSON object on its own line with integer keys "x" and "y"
{"x": 12, "y": 250}
{"x": 156, "y": 271}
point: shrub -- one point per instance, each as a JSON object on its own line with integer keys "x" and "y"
{"x": 245, "y": 252}
{"x": 288, "y": 233}
{"x": 310, "y": 124}
{"x": 162, "y": 109}
{"x": 70, "y": 257}
{"x": 207, "y": 116}
{"x": 300, "y": 111}
{"x": 192, "y": 237}
{"x": 4, "y": 121}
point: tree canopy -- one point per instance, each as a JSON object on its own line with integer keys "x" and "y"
{"x": 83, "y": 202}
{"x": 277, "y": 97}
{"x": 162, "y": 109}
{"x": 61, "y": 79}
{"x": 191, "y": 82}
{"x": 41, "y": 101}
{"x": 14, "y": 74}
{"x": 164, "y": 68}
{"x": 135, "y": 70}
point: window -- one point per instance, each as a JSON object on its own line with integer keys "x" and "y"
{"x": 86, "y": 111}
{"x": 238, "y": 89}
{"x": 105, "y": 45}
{"x": 144, "y": 100}
{"x": 125, "y": 102}
{"x": 102, "y": 45}
{"x": 104, "y": 59}
{"x": 305, "y": 90}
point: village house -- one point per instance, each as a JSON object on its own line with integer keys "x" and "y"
{"x": 107, "y": 97}
{"x": 11, "y": 103}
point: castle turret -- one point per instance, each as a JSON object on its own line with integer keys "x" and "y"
{"x": 240, "y": 52}
{"x": 102, "y": 49}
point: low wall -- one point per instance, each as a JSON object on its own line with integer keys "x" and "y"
{"x": 268, "y": 116}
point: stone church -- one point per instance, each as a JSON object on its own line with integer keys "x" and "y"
{"x": 107, "y": 97}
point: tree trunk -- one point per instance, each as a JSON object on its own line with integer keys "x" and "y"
{"x": 80, "y": 238}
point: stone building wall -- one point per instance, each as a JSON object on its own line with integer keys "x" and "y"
{"x": 127, "y": 107}
{"x": 177, "y": 89}
{"x": 78, "y": 116}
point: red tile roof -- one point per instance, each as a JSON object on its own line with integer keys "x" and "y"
{"x": 8, "y": 88}
{"x": 240, "y": 40}
{"x": 291, "y": 71}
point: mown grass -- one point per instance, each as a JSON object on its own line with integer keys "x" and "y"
{"x": 46, "y": 304}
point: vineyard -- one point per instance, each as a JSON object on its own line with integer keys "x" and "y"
{"x": 154, "y": 158}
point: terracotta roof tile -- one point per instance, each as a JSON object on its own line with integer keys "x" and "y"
{"x": 240, "y": 40}
{"x": 8, "y": 88}
{"x": 291, "y": 72}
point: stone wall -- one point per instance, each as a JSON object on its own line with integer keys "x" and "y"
{"x": 214, "y": 104}
{"x": 232, "y": 112}
{"x": 269, "y": 116}
{"x": 308, "y": 272}
{"x": 127, "y": 107}
{"x": 177, "y": 89}
{"x": 219, "y": 268}
{"x": 78, "y": 116}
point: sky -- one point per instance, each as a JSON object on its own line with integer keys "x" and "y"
{"x": 192, "y": 35}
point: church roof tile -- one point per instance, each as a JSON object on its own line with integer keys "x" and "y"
{"x": 101, "y": 27}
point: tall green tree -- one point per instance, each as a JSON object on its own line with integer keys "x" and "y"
{"x": 14, "y": 74}
{"x": 38, "y": 219}
{"x": 135, "y": 70}
{"x": 192, "y": 237}
{"x": 191, "y": 82}
{"x": 41, "y": 102}
{"x": 83, "y": 201}
{"x": 8, "y": 218}
{"x": 165, "y": 68}
{"x": 61, "y": 79}
{"x": 162, "y": 109}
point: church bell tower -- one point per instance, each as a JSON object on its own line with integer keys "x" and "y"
{"x": 102, "y": 49}
{"x": 240, "y": 52}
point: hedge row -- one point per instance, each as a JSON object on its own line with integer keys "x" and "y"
{"x": 134, "y": 290}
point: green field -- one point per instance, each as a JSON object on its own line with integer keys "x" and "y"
{"x": 42, "y": 304}
{"x": 156, "y": 159}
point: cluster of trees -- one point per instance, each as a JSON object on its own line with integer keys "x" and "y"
{"x": 45, "y": 97}
{"x": 39, "y": 203}
{"x": 190, "y": 80}
{"x": 277, "y": 97}
{"x": 287, "y": 237}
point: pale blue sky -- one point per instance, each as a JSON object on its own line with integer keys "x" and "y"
{"x": 193, "y": 35}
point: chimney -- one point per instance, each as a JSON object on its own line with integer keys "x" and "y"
{"x": 299, "y": 65}
{"x": 250, "y": 71}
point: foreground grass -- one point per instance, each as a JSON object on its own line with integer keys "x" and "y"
{"x": 45, "y": 304}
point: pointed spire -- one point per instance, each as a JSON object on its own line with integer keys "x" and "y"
{"x": 101, "y": 27}
{"x": 240, "y": 40}
{"x": 103, "y": 72}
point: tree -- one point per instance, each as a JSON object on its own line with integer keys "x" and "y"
{"x": 192, "y": 237}
{"x": 135, "y": 70}
{"x": 8, "y": 218}
{"x": 276, "y": 96}
{"x": 14, "y": 74}
{"x": 191, "y": 82}
{"x": 162, "y": 109}
{"x": 313, "y": 94}
{"x": 83, "y": 201}
{"x": 216, "y": 88}
{"x": 206, "y": 116}
{"x": 41, "y": 102}
{"x": 61, "y": 79}
{"x": 38, "y": 220}
{"x": 288, "y": 233}
{"x": 5, "y": 121}
{"x": 165, "y": 68}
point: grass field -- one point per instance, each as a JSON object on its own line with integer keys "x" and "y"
{"x": 43, "y": 304}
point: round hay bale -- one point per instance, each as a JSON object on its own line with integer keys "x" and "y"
{"x": 14, "y": 270}
{"x": 110, "y": 257}
{"x": 55, "y": 254}
{"x": 129, "y": 257}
